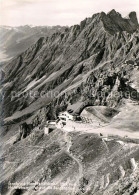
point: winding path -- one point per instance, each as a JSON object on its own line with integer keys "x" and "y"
{"x": 67, "y": 138}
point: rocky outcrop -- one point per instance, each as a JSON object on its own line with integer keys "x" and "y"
{"x": 24, "y": 131}
{"x": 133, "y": 18}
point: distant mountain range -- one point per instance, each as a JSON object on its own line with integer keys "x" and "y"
{"x": 14, "y": 40}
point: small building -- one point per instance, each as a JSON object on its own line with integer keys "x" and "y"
{"x": 49, "y": 127}
{"x": 46, "y": 130}
{"x": 68, "y": 115}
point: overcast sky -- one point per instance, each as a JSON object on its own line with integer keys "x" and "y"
{"x": 59, "y": 12}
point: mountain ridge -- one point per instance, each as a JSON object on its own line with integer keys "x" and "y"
{"x": 87, "y": 42}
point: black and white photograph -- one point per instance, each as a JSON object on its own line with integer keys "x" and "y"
{"x": 69, "y": 97}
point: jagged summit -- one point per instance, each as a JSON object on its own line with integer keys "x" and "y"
{"x": 114, "y": 22}
{"x": 113, "y": 13}
{"x": 133, "y": 17}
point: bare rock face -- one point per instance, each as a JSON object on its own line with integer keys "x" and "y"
{"x": 133, "y": 18}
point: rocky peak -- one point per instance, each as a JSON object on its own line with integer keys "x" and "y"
{"x": 133, "y": 18}
{"x": 113, "y": 22}
{"x": 113, "y": 13}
